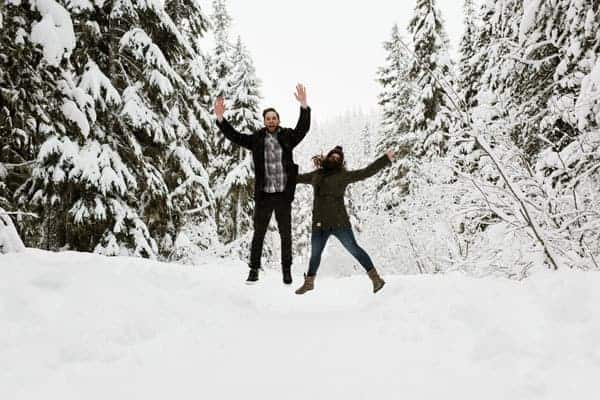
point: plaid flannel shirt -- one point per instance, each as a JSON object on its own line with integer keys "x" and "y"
{"x": 275, "y": 178}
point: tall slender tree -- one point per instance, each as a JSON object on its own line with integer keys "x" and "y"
{"x": 467, "y": 49}
{"x": 396, "y": 95}
{"x": 396, "y": 100}
{"x": 236, "y": 190}
{"x": 431, "y": 116}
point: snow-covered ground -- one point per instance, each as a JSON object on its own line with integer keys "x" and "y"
{"x": 82, "y": 326}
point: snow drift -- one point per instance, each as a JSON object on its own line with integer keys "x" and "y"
{"x": 79, "y": 326}
{"x": 10, "y": 241}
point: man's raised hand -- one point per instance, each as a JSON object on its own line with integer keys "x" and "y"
{"x": 219, "y": 108}
{"x": 301, "y": 95}
{"x": 391, "y": 155}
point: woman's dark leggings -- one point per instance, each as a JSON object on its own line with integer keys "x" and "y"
{"x": 346, "y": 237}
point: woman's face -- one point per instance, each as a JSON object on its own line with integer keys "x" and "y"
{"x": 335, "y": 157}
{"x": 333, "y": 161}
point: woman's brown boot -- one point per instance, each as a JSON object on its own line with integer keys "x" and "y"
{"x": 309, "y": 284}
{"x": 376, "y": 279}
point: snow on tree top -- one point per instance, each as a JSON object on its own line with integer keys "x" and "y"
{"x": 83, "y": 5}
{"x": 54, "y": 32}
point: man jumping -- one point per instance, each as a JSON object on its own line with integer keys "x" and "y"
{"x": 275, "y": 177}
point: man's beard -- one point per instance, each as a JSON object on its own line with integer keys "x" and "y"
{"x": 331, "y": 165}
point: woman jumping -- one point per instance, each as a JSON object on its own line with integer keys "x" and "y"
{"x": 329, "y": 182}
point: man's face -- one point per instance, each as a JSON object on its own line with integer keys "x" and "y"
{"x": 271, "y": 121}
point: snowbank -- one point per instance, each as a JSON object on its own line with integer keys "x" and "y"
{"x": 80, "y": 326}
{"x": 10, "y": 242}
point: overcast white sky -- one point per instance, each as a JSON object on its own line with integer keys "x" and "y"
{"x": 333, "y": 46}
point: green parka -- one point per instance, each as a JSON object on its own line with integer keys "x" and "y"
{"x": 329, "y": 211}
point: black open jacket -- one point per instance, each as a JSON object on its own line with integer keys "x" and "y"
{"x": 255, "y": 142}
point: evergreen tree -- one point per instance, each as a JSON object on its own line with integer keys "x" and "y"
{"x": 535, "y": 74}
{"x": 532, "y": 59}
{"x": 482, "y": 40}
{"x": 221, "y": 61}
{"x": 233, "y": 76}
{"x": 236, "y": 190}
{"x": 189, "y": 180}
{"x": 431, "y": 118}
{"x": 472, "y": 51}
{"x": 37, "y": 103}
{"x": 559, "y": 45}
{"x": 466, "y": 84}
{"x": 302, "y": 220}
{"x": 395, "y": 97}
{"x": 396, "y": 101}
{"x": 367, "y": 143}
{"x": 223, "y": 153}
{"x": 117, "y": 174}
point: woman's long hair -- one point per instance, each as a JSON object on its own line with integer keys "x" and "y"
{"x": 317, "y": 160}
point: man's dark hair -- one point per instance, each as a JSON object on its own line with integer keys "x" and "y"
{"x": 269, "y": 110}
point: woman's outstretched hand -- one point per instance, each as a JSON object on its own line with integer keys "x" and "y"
{"x": 219, "y": 108}
{"x": 390, "y": 155}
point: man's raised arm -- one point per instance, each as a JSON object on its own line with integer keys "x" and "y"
{"x": 228, "y": 130}
{"x": 303, "y": 124}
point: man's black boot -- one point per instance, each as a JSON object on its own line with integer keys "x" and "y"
{"x": 252, "y": 276}
{"x": 287, "y": 275}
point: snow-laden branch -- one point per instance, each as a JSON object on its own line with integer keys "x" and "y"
{"x": 461, "y": 109}
{"x": 19, "y": 214}
{"x": 19, "y": 165}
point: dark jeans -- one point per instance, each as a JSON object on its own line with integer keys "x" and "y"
{"x": 269, "y": 203}
{"x": 346, "y": 237}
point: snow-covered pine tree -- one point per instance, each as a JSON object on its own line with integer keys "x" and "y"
{"x": 467, "y": 49}
{"x": 519, "y": 52}
{"x": 188, "y": 177}
{"x": 118, "y": 171}
{"x": 153, "y": 93}
{"x": 223, "y": 153}
{"x": 431, "y": 117}
{"x": 558, "y": 46}
{"x": 221, "y": 61}
{"x": 488, "y": 50}
{"x": 162, "y": 88}
{"x": 467, "y": 84}
{"x": 236, "y": 191}
{"x": 30, "y": 101}
{"x": 396, "y": 102}
{"x": 396, "y": 90}
{"x": 191, "y": 191}
{"x": 481, "y": 42}
{"x": 365, "y": 193}
{"x": 38, "y": 105}
{"x": 302, "y": 220}
{"x": 563, "y": 41}
{"x": 368, "y": 147}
